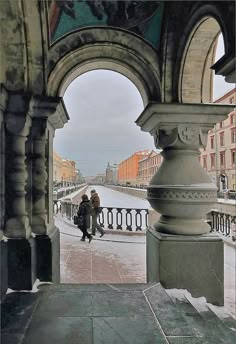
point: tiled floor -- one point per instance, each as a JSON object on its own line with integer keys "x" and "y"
{"x": 111, "y": 314}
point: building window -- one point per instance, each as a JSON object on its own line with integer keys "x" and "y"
{"x": 212, "y": 142}
{"x": 231, "y": 100}
{"x": 213, "y": 161}
{"x": 233, "y": 157}
{"x": 205, "y": 162}
{"x": 233, "y": 136}
{"x": 222, "y": 139}
{"x": 222, "y": 159}
{"x": 221, "y": 125}
{"x": 233, "y": 119}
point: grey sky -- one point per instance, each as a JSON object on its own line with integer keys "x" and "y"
{"x": 103, "y": 106}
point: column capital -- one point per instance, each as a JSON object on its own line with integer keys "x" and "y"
{"x": 184, "y": 126}
{"x": 43, "y": 106}
{"x": 60, "y": 117}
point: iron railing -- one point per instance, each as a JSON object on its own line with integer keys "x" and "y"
{"x": 223, "y": 224}
{"x": 110, "y": 218}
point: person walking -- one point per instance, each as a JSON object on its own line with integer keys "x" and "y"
{"x": 95, "y": 203}
{"x": 84, "y": 213}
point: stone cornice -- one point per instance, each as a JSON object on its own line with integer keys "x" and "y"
{"x": 60, "y": 117}
{"x": 226, "y": 66}
{"x": 204, "y": 115}
{"x": 43, "y": 106}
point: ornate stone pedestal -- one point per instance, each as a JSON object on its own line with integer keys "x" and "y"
{"x": 48, "y": 256}
{"x": 195, "y": 263}
{"x": 182, "y": 192}
{"x": 21, "y": 263}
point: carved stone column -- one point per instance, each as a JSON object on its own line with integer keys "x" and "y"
{"x": 180, "y": 252}
{"x": 3, "y": 244}
{"x": 39, "y": 176}
{"x": 181, "y": 190}
{"x": 21, "y": 246}
{"x": 17, "y": 130}
{"x": 43, "y": 110}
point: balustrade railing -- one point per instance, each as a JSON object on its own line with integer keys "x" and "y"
{"x": 223, "y": 224}
{"x": 111, "y": 218}
{"x": 137, "y": 219}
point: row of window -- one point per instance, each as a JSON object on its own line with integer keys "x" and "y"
{"x": 222, "y": 159}
{"x": 232, "y": 121}
{"x": 148, "y": 172}
{"x": 222, "y": 139}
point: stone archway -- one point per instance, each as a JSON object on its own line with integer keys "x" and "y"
{"x": 196, "y": 77}
{"x": 111, "y": 49}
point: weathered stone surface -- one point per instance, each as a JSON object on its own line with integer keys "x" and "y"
{"x": 48, "y": 256}
{"x": 193, "y": 263}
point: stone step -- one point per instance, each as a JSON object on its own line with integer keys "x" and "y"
{"x": 113, "y": 313}
{"x": 208, "y": 321}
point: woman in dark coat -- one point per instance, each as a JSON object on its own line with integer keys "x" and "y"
{"x": 84, "y": 217}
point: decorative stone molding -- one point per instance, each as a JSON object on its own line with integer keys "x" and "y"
{"x": 181, "y": 190}
{"x": 187, "y": 195}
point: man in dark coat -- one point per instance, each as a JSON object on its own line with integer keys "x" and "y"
{"x": 95, "y": 203}
{"x": 84, "y": 213}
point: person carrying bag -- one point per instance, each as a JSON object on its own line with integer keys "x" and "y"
{"x": 83, "y": 214}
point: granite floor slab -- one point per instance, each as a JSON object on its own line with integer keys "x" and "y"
{"x": 111, "y": 314}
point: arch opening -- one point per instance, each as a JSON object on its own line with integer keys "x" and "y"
{"x": 102, "y": 106}
{"x": 196, "y": 75}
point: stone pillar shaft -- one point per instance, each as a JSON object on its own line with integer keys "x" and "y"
{"x": 17, "y": 130}
{"x": 39, "y": 176}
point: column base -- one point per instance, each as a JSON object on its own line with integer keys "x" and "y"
{"x": 4, "y": 269}
{"x": 48, "y": 256}
{"x": 181, "y": 226}
{"x": 21, "y": 263}
{"x": 195, "y": 263}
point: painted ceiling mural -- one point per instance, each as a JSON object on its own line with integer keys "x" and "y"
{"x": 143, "y": 17}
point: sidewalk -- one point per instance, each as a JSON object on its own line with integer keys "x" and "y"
{"x": 117, "y": 258}
{"x": 111, "y": 259}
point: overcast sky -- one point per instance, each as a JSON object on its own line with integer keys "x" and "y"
{"x": 103, "y": 106}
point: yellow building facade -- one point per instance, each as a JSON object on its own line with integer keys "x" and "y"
{"x": 64, "y": 171}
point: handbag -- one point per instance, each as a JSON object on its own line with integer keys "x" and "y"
{"x": 80, "y": 221}
{"x": 75, "y": 220}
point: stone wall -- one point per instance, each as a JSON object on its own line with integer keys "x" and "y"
{"x": 75, "y": 197}
{"x": 129, "y": 191}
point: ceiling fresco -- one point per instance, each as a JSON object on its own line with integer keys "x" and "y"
{"x": 141, "y": 17}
